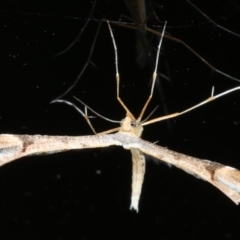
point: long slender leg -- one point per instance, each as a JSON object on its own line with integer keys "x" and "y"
{"x": 117, "y": 73}
{"x": 154, "y": 76}
{"x": 211, "y": 98}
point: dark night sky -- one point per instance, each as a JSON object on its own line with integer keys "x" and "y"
{"x": 63, "y": 196}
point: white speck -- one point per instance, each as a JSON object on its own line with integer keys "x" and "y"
{"x": 98, "y": 172}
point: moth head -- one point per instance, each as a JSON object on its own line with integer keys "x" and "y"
{"x": 130, "y": 125}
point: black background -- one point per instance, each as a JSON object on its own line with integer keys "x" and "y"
{"x": 86, "y": 194}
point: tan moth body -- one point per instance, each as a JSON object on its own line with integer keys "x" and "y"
{"x": 138, "y": 161}
{"x": 134, "y": 127}
{"x": 226, "y": 179}
{"x": 138, "y": 171}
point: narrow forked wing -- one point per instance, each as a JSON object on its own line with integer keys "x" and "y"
{"x": 17, "y": 146}
{"x": 225, "y": 178}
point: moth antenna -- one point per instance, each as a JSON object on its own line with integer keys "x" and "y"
{"x": 149, "y": 114}
{"x": 85, "y": 115}
{"x": 101, "y": 116}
